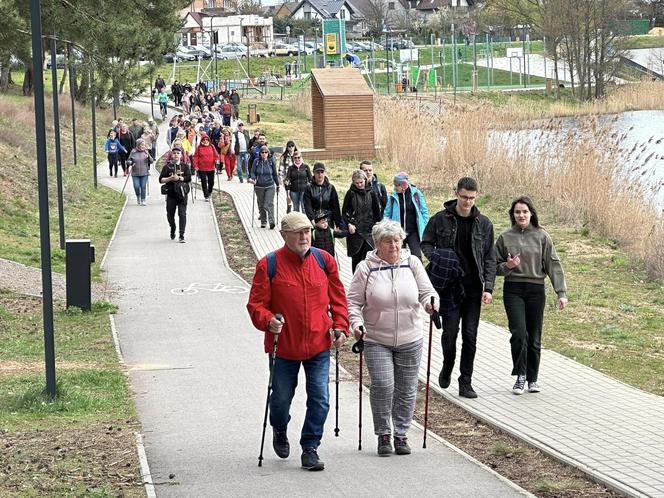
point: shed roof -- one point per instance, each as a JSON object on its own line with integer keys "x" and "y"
{"x": 340, "y": 81}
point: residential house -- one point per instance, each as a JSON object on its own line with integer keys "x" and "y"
{"x": 425, "y": 8}
{"x": 394, "y": 9}
{"x": 286, "y": 9}
{"x": 331, "y": 9}
{"x": 240, "y": 28}
{"x": 200, "y": 5}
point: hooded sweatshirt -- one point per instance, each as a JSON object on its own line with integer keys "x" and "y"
{"x": 386, "y": 299}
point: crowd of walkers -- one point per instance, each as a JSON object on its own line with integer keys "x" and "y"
{"x": 297, "y": 297}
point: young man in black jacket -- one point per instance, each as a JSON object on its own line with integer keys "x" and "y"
{"x": 461, "y": 227}
{"x": 176, "y": 176}
{"x": 376, "y": 186}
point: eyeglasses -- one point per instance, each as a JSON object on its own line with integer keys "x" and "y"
{"x": 467, "y": 198}
{"x": 297, "y": 157}
{"x": 240, "y": 124}
{"x": 264, "y": 152}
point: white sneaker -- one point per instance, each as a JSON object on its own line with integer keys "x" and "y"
{"x": 533, "y": 387}
{"x": 519, "y": 385}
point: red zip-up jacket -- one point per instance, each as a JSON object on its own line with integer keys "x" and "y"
{"x": 303, "y": 293}
{"x": 205, "y": 157}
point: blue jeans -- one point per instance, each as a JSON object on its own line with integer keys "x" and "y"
{"x": 140, "y": 186}
{"x": 243, "y": 164}
{"x": 284, "y": 382}
{"x": 298, "y": 201}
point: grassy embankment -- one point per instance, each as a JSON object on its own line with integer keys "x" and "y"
{"x": 615, "y": 320}
{"x": 83, "y": 442}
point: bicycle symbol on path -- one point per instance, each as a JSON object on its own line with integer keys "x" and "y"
{"x": 195, "y": 287}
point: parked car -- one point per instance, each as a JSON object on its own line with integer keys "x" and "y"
{"x": 258, "y": 49}
{"x": 231, "y": 52}
{"x": 280, "y": 48}
{"x": 307, "y": 47}
{"x": 354, "y": 47}
{"x": 169, "y": 57}
{"x": 59, "y": 61}
{"x": 182, "y": 53}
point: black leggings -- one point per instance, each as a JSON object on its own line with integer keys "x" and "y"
{"x": 360, "y": 255}
{"x": 207, "y": 182}
{"x": 113, "y": 163}
{"x": 123, "y": 160}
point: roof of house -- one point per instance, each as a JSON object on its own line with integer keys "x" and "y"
{"x": 329, "y": 8}
{"x": 340, "y": 81}
{"x": 431, "y": 4}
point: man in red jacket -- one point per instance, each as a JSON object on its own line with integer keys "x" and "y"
{"x": 306, "y": 292}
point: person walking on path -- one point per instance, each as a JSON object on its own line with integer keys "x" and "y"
{"x": 460, "y": 226}
{"x": 372, "y": 181}
{"x": 162, "y": 98}
{"x": 298, "y": 177}
{"x": 384, "y": 300}
{"x": 113, "y": 147}
{"x": 408, "y": 207}
{"x": 136, "y": 129}
{"x": 128, "y": 143}
{"x": 176, "y": 175}
{"x": 139, "y": 161}
{"x": 309, "y": 294}
{"x": 285, "y": 162}
{"x": 526, "y": 256}
{"x": 154, "y": 129}
{"x": 205, "y": 160}
{"x": 235, "y": 102}
{"x": 263, "y": 175}
{"x": 361, "y": 210}
{"x": 227, "y": 152}
{"x": 242, "y": 151}
{"x": 320, "y": 196}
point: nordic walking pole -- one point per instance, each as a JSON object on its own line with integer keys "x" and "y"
{"x": 217, "y": 167}
{"x": 337, "y": 334}
{"x": 279, "y": 317}
{"x": 426, "y": 397}
{"x": 358, "y": 348}
{"x": 126, "y": 179}
{"x": 277, "y": 203}
{"x": 253, "y": 206}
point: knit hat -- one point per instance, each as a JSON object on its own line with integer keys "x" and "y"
{"x": 140, "y": 141}
{"x": 401, "y": 179}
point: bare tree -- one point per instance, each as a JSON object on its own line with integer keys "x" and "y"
{"x": 246, "y": 7}
{"x": 377, "y": 15}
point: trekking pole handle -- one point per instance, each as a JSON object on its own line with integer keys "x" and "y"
{"x": 279, "y": 317}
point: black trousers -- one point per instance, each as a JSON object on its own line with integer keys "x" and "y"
{"x": 468, "y": 316}
{"x": 123, "y": 160}
{"x": 524, "y": 305}
{"x": 113, "y": 163}
{"x": 412, "y": 240}
{"x": 359, "y": 256}
{"x": 171, "y": 204}
{"x": 207, "y": 182}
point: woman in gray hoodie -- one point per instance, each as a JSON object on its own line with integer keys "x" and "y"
{"x": 386, "y": 296}
{"x": 526, "y": 256}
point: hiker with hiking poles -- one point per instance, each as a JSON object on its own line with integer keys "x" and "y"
{"x": 304, "y": 330}
{"x": 388, "y": 290}
{"x": 263, "y": 175}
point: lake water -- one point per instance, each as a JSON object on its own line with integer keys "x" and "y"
{"x": 641, "y": 144}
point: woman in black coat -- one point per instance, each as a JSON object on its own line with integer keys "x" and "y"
{"x": 361, "y": 211}
{"x": 298, "y": 177}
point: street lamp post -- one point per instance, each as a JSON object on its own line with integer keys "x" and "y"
{"x": 72, "y": 80}
{"x": 42, "y": 182}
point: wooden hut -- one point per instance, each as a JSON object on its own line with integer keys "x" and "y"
{"x": 342, "y": 115}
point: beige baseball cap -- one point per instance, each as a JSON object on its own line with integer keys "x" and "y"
{"x": 294, "y": 222}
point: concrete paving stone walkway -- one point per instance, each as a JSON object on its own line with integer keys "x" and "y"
{"x": 197, "y": 369}
{"x": 610, "y": 430}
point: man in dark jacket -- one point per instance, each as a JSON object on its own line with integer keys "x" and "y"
{"x": 136, "y": 129}
{"x": 376, "y": 186}
{"x": 320, "y": 195}
{"x": 235, "y": 102}
{"x": 176, "y": 175}
{"x": 242, "y": 150}
{"x": 461, "y": 227}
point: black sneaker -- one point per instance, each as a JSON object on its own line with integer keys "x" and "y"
{"x": 172, "y": 233}
{"x": 384, "y": 445}
{"x": 262, "y": 225}
{"x": 280, "y": 443}
{"x": 519, "y": 385}
{"x": 444, "y": 379}
{"x": 271, "y": 226}
{"x": 467, "y": 391}
{"x": 401, "y": 446}
{"x": 181, "y": 239}
{"x": 310, "y": 460}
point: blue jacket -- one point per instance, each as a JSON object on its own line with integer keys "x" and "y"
{"x": 264, "y": 172}
{"x": 392, "y": 211}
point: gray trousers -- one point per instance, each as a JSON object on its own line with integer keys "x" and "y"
{"x": 265, "y": 199}
{"x": 393, "y": 372}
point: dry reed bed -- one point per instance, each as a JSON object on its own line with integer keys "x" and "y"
{"x": 577, "y": 174}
